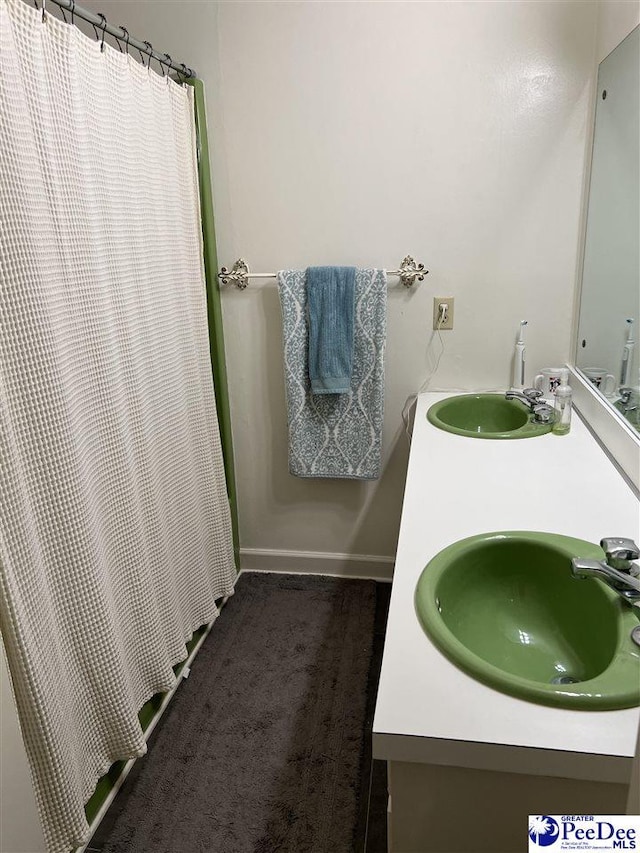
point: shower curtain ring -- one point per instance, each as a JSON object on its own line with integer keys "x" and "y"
{"x": 44, "y": 9}
{"x": 104, "y": 27}
{"x": 169, "y": 62}
{"x": 150, "y": 48}
{"x": 126, "y": 38}
{"x": 73, "y": 11}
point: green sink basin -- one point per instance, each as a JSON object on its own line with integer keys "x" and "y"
{"x": 505, "y": 608}
{"x": 485, "y": 416}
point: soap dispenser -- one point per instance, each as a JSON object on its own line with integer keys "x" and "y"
{"x": 562, "y": 405}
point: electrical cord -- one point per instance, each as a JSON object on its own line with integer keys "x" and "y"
{"x": 406, "y": 411}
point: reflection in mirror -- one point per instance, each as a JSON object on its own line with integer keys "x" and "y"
{"x": 609, "y": 322}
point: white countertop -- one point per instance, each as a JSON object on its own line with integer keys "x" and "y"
{"x": 427, "y": 709}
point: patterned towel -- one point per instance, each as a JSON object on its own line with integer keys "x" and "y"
{"x": 335, "y": 435}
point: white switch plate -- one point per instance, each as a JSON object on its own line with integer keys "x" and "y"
{"x": 448, "y": 323}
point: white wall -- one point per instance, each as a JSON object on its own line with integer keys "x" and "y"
{"x": 616, "y": 19}
{"x": 353, "y": 133}
{"x": 20, "y": 830}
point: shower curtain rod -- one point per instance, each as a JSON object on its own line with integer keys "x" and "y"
{"x": 100, "y": 22}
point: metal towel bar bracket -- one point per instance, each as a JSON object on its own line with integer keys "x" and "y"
{"x": 239, "y": 274}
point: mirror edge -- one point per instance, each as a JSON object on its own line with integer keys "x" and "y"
{"x": 612, "y": 430}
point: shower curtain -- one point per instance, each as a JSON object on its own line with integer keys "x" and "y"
{"x": 115, "y": 536}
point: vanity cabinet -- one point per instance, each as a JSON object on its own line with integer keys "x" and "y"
{"x": 467, "y": 763}
{"x": 440, "y": 809}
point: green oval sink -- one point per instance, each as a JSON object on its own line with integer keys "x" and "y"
{"x": 485, "y": 416}
{"x": 506, "y": 609}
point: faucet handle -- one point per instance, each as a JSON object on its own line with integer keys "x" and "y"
{"x": 619, "y": 549}
{"x": 532, "y": 394}
{"x": 625, "y": 395}
{"x": 543, "y": 414}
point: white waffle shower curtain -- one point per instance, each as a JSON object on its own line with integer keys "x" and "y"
{"x": 115, "y": 535}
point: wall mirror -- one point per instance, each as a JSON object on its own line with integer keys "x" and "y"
{"x": 607, "y": 346}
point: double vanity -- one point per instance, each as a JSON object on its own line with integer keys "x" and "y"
{"x": 510, "y": 679}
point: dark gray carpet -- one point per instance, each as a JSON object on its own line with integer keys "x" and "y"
{"x": 266, "y": 746}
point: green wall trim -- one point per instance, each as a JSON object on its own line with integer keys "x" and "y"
{"x": 214, "y": 307}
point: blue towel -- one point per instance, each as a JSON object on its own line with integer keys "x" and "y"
{"x": 335, "y": 435}
{"x": 330, "y": 301}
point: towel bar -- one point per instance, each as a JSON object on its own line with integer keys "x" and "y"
{"x": 240, "y": 274}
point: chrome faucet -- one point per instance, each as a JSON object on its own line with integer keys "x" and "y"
{"x": 618, "y": 570}
{"x": 531, "y": 398}
{"x": 629, "y": 405}
{"x": 629, "y": 400}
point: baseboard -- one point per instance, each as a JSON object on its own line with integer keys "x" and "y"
{"x": 317, "y": 563}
